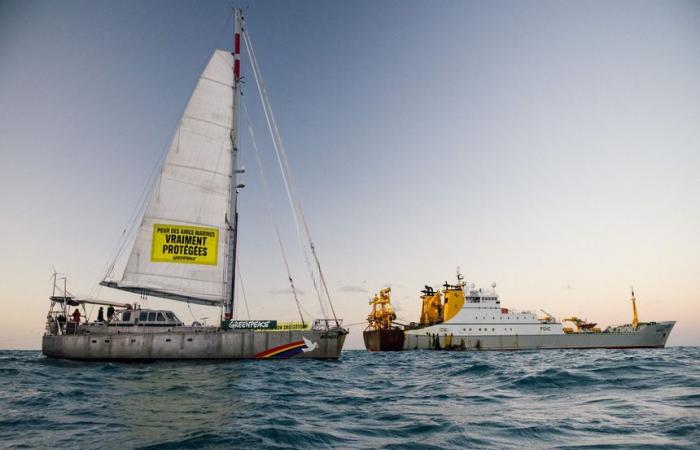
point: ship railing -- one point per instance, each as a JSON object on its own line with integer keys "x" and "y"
{"x": 55, "y": 327}
{"x": 326, "y": 324}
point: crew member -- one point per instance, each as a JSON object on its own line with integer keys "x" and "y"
{"x": 100, "y": 315}
{"x": 76, "y": 315}
{"x": 110, "y": 312}
{"x": 61, "y": 319}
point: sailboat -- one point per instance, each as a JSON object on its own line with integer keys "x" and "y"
{"x": 185, "y": 250}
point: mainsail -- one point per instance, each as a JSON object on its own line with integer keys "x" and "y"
{"x": 180, "y": 250}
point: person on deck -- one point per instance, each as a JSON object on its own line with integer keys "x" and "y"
{"x": 76, "y": 315}
{"x": 61, "y": 319}
{"x": 110, "y": 312}
{"x": 100, "y": 315}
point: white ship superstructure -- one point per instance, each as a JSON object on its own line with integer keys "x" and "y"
{"x": 482, "y": 315}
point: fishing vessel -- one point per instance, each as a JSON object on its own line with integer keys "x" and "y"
{"x": 184, "y": 249}
{"x": 461, "y": 317}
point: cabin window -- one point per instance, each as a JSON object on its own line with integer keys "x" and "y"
{"x": 143, "y": 316}
{"x": 126, "y": 316}
{"x": 161, "y": 317}
{"x": 152, "y": 316}
{"x": 171, "y": 316}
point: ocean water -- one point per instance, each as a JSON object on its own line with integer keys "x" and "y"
{"x": 596, "y": 398}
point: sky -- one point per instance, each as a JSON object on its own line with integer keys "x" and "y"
{"x": 550, "y": 147}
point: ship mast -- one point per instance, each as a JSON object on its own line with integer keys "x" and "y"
{"x": 234, "y": 187}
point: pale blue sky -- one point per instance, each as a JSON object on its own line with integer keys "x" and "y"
{"x": 551, "y": 146}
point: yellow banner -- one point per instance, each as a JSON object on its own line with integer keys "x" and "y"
{"x": 184, "y": 244}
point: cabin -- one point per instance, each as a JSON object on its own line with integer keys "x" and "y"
{"x": 145, "y": 317}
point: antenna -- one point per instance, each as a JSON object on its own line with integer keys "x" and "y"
{"x": 635, "y": 318}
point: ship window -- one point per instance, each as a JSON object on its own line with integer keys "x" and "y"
{"x": 479, "y": 329}
{"x": 493, "y": 329}
{"x": 171, "y": 316}
{"x": 189, "y": 339}
{"x": 470, "y": 329}
{"x": 161, "y": 317}
{"x": 126, "y": 316}
{"x": 152, "y": 316}
{"x": 143, "y": 316}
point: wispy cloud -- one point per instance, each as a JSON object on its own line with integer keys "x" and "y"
{"x": 352, "y": 288}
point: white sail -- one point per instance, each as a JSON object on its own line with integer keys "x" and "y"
{"x": 180, "y": 250}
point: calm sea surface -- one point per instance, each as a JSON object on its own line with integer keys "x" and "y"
{"x": 597, "y": 398}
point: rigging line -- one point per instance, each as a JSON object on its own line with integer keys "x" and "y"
{"x": 272, "y": 123}
{"x": 266, "y": 109}
{"x": 284, "y": 168}
{"x": 245, "y": 297}
{"x": 268, "y": 198}
{"x": 194, "y": 319}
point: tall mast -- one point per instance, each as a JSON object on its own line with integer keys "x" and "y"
{"x": 232, "y": 218}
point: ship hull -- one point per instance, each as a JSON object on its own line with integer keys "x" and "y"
{"x": 384, "y": 340}
{"x": 650, "y": 336}
{"x": 191, "y": 345}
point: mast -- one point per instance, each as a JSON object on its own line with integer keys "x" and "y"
{"x": 233, "y": 193}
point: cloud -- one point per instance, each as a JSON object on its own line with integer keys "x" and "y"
{"x": 351, "y": 288}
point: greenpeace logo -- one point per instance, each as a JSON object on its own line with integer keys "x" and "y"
{"x": 251, "y": 324}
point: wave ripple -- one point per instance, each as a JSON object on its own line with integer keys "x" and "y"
{"x": 421, "y": 399}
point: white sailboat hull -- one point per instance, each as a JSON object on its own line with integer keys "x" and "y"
{"x": 647, "y": 336}
{"x": 204, "y": 343}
